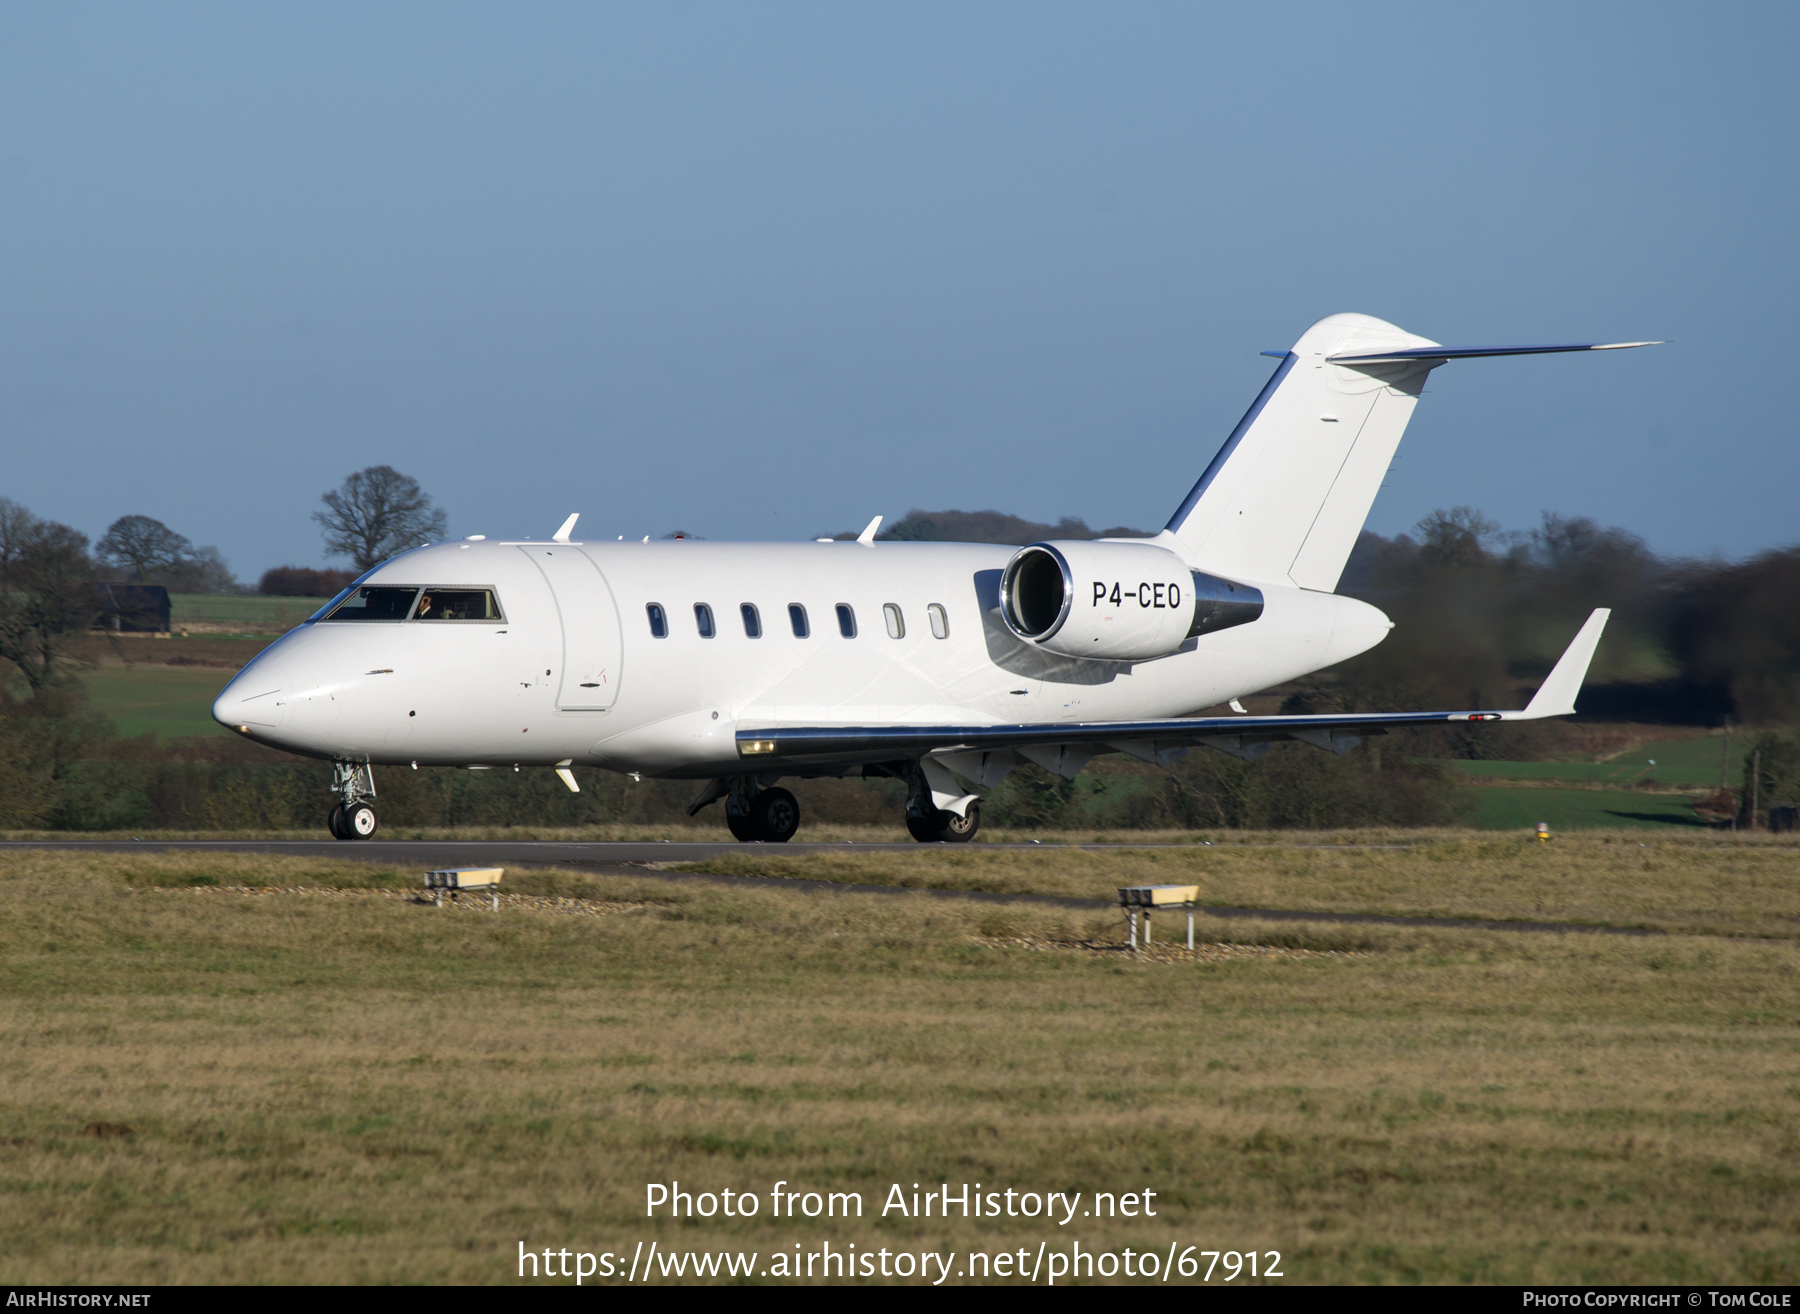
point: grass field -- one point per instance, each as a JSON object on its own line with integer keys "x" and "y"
{"x": 169, "y": 701}
{"x": 238, "y": 613}
{"x": 1682, "y": 763}
{"x": 212, "y": 1085}
{"x": 1504, "y": 807}
{"x": 1698, "y": 885}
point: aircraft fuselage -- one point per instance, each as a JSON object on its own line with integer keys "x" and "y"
{"x": 572, "y": 671}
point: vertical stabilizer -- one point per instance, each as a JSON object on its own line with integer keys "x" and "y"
{"x": 1286, "y": 496}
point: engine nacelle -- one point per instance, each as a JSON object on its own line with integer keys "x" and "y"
{"x": 1116, "y": 601}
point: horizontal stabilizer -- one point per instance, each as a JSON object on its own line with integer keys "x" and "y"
{"x": 1242, "y": 735}
{"x": 1466, "y": 353}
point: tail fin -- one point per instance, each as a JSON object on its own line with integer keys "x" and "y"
{"x": 1286, "y": 496}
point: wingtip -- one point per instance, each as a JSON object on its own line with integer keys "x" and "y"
{"x": 1556, "y": 696}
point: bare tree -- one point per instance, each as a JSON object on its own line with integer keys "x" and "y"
{"x": 376, "y": 513}
{"x": 45, "y": 599}
{"x": 142, "y": 544}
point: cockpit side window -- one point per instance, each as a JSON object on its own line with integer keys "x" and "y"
{"x": 374, "y": 602}
{"x": 457, "y": 604}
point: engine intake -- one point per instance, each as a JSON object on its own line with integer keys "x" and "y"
{"x": 1116, "y": 601}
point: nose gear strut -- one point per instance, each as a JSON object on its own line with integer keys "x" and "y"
{"x": 353, "y": 816}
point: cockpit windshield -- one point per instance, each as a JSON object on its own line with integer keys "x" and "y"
{"x": 387, "y": 602}
{"x": 437, "y": 604}
{"x": 373, "y": 603}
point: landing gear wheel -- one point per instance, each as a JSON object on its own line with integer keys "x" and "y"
{"x": 742, "y": 828}
{"x": 953, "y": 829}
{"x": 335, "y": 822}
{"x": 942, "y": 827}
{"x": 775, "y": 816}
{"x": 359, "y": 822}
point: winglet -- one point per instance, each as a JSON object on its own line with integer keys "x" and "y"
{"x": 868, "y": 535}
{"x": 1556, "y": 696}
{"x": 568, "y": 527}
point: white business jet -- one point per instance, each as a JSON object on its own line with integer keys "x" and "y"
{"x": 943, "y": 665}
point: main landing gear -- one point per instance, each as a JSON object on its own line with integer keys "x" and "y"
{"x": 753, "y": 812}
{"x": 353, "y": 816}
{"x": 771, "y": 815}
{"x": 759, "y": 812}
{"x": 930, "y": 824}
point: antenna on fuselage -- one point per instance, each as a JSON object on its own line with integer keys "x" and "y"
{"x": 568, "y": 527}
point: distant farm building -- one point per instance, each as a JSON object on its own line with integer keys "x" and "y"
{"x": 131, "y": 608}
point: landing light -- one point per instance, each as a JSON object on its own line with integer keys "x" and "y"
{"x": 755, "y": 747}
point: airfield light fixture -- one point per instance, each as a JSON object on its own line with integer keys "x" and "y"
{"x": 1150, "y": 897}
{"x": 457, "y": 879}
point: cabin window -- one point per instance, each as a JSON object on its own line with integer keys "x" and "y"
{"x": 896, "y": 623}
{"x": 940, "y": 621}
{"x": 846, "y": 620}
{"x": 797, "y": 618}
{"x": 703, "y": 620}
{"x": 752, "y": 621}
{"x": 375, "y": 603}
{"x": 659, "y": 621}
{"x": 440, "y": 604}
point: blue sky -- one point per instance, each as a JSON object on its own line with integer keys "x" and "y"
{"x": 763, "y": 271}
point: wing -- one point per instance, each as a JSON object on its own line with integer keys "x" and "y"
{"x": 820, "y": 745}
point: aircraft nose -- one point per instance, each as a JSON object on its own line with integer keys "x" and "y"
{"x": 252, "y": 700}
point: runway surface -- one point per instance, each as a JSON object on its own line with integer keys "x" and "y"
{"x": 634, "y": 859}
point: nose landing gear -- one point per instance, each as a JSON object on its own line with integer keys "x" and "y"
{"x": 353, "y": 817}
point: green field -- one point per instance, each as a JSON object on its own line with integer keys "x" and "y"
{"x": 1679, "y": 762}
{"x": 312, "y": 1078}
{"x": 239, "y": 613}
{"x": 1516, "y": 808}
{"x": 167, "y": 701}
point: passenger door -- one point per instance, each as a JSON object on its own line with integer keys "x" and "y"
{"x": 588, "y": 680}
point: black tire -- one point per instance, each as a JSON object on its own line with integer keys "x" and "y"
{"x": 335, "y": 822}
{"x": 924, "y": 829}
{"x": 775, "y": 814}
{"x": 953, "y": 829}
{"x": 359, "y": 822}
{"x": 742, "y": 829}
